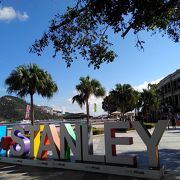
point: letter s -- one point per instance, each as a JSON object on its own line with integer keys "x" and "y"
{"x": 22, "y": 144}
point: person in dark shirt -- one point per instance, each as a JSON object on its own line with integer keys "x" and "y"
{"x": 173, "y": 122}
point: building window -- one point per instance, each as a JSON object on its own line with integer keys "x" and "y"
{"x": 178, "y": 84}
{"x": 175, "y": 85}
{"x": 169, "y": 87}
{"x": 176, "y": 99}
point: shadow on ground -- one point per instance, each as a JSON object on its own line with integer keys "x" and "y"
{"x": 18, "y": 172}
{"x": 169, "y": 158}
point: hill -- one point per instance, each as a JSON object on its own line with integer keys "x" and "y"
{"x": 13, "y": 109}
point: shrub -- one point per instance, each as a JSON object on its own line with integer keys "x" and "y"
{"x": 97, "y": 131}
{"x": 149, "y": 125}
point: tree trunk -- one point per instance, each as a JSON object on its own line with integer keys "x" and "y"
{"x": 32, "y": 110}
{"x": 123, "y": 111}
{"x": 87, "y": 111}
{"x": 90, "y": 130}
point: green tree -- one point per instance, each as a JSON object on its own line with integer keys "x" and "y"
{"x": 126, "y": 97}
{"x": 150, "y": 100}
{"x": 83, "y": 28}
{"x": 30, "y": 79}
{"x": 109, "y": 104}
{"x": 85, "y": 89}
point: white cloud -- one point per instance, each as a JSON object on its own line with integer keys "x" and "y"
{"x": 22, "y": 16}
{"x": 144, "y": 85}
{"x": 2, "y": 90}
{"x": 74, "y": 108}
{"x": 156, "y": 81}
{"x": 70, "y": 100}
{"x": 8, "y": 14}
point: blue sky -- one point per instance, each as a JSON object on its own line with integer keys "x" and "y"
{"x": 23, "y": 21}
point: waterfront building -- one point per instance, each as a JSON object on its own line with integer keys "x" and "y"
{"x": 50, "y": 110}
{"x": 169, "y": 88}
{"x": 57, "y": 112}
{"x": 47, "y": 109}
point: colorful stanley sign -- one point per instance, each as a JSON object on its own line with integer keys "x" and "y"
{"x": 32, "y": 143}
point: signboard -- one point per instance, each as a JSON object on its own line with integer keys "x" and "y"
{"x": 30, "y": 145}
{"x": 28, "y": 109}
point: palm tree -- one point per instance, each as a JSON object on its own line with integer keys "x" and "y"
{"x": 85, "y": 89}
{"x": 150, "y": 100}
{"x": 126, "y": 97}
{"x": 31, "y": 79}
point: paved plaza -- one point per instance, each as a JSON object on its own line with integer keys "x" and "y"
{"x": 169, "y": 152}
{"x": 169, "y": 148}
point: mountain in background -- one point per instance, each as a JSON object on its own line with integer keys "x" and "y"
{"x": 13, "y": 109}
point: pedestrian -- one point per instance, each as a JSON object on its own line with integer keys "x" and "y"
{"x": 173, "y": 122}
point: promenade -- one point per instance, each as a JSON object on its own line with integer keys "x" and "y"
{"x": 169, "y": 152}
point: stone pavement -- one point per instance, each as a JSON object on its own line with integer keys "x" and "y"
{"x": 169, "y": 152}
{"x": 169, "y": 148}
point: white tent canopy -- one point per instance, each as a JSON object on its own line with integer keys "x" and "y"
{"x": 116, "y": 113}
{"x": 129, "y": 113}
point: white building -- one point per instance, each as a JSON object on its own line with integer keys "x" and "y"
{"x": 57, "y": 112}
{"x": 47, "y": 109}
{"x": 51, "y": 110}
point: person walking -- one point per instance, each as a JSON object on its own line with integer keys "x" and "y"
{"x": 173, "y": 122}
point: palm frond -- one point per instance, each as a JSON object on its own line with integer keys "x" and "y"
{"x": 78, "y": 99}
